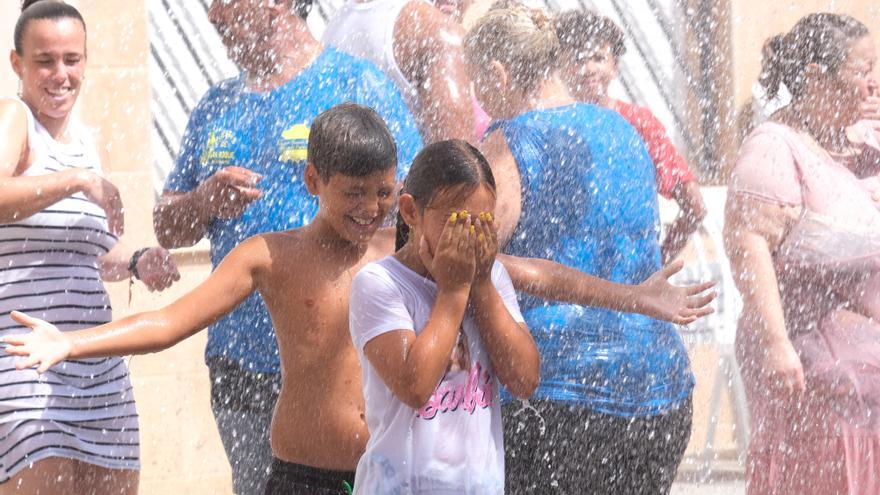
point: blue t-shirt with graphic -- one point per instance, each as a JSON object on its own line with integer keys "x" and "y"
{"x": 590, "y": 202}
{"x": 268, "y": 133}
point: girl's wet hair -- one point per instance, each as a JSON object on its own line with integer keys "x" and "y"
{"x": 823, "y": 38}
{"x": 584, "y": 30}
{"x": 302, "y": 8}
{"x": 35, "y": 10}
{"x": 522, "y": 39}
{"x": 443, "y": 166}
{"x": 352, "y": 140}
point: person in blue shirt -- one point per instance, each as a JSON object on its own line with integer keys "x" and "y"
{"x": 239, "y": 173}
{"x": 576, "y": 185}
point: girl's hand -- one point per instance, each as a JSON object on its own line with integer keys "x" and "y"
{"x": 486, "y": 247}
{"x": 664, "y": 301}
{"x": 44, "y": 346}
{"x": 453, "y": 264}
{"x": 157, "y": 269}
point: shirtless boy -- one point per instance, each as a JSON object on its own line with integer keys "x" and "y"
{"x": 304, "y": 275}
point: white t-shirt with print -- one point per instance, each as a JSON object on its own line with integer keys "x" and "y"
{"x": 453, "y": 444}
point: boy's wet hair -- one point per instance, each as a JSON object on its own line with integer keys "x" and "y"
{"x": 351, "y": 140}
{"x": 583, "y": 30}
{"x": 36, "y": 10}
{"x": 443, "y": 166}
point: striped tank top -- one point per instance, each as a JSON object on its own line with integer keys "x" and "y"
{"x": 82, "y": 409}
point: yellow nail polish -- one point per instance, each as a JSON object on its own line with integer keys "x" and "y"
{"x": 473, "y": 229}
{"x": 454, "y": 217}
{"x": 489, "y": 217}
{"x": 481, "y": 237}
{"x": 464, "y": 213}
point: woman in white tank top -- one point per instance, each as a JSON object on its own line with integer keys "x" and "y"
{"x": 74, "y": 430}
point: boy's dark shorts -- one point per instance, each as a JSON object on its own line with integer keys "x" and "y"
{"x": 287, "y": 478}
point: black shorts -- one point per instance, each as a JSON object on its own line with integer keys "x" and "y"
{"x": 552, "y": 447}
{"x": 236, "y": 389}
{"x": 287, "y": 478}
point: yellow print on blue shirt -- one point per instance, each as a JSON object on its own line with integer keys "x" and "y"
{"x": 219, "y": 148}
{"x": 294, "y": 143}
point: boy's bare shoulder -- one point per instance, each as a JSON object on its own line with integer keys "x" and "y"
{"x": 287, "y": 242}
{"x": 286, "y": 238}
{"x": 262, "y": 249}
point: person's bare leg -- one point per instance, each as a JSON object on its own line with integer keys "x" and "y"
{"x": 50, "y": 476}
{"x": 97, "y": 480}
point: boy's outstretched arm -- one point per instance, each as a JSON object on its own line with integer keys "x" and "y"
{"x": 232, "y": 282}
{"x": 655, "y": 297}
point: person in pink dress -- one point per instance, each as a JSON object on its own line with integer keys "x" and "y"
{"x": 590, "y": 49}
{"x": 802, "y": 232}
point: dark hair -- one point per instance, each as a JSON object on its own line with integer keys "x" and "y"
{"x": 35, "y": 10}
{"x": 351, "y": 140}
{"x": 580, "y": 30}
{"x": 443, "y": 165}
{"x": 27, "y": 3}
{"x": 822, "y": 38}
{"x": 302, "y": 8}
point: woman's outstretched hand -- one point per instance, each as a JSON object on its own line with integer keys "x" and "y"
{"x": 659, "y": 299}
{"x": 43, "y": 347}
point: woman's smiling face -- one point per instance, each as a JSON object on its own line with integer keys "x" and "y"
{"x": 51, "y": 65}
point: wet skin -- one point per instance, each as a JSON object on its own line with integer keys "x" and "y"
{"x": 304, "y": 276}
{"x": 52, "y": 68}
{"x": 319, "y": 418}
